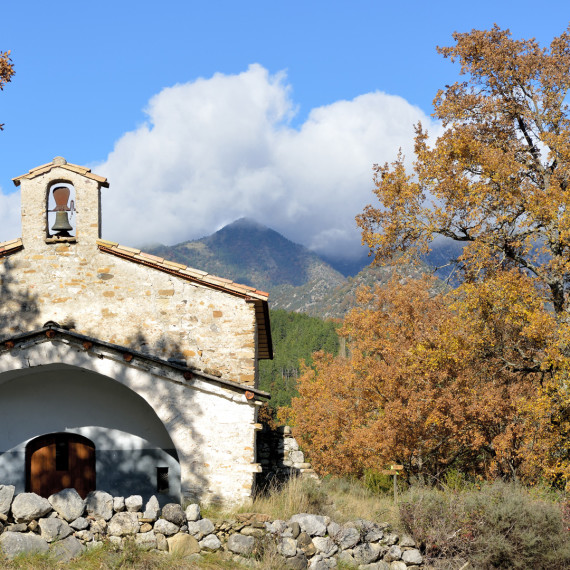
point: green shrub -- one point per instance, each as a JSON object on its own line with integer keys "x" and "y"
{"x": 500, "y": 526}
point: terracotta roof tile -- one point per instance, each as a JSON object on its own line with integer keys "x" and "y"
{"x": 198, "y": 276}
{"x": 11, "y": 246}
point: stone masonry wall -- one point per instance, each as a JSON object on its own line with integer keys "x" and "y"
{"x": 280, "y": 457}
{"x": 66, "y": 525}
{"x": 113, "y": 299}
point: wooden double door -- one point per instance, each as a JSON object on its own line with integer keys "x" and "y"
{"x": 59, "y": 461}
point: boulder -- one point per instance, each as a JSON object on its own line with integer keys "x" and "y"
{"x": 67, "y": 549}
{"x": 99, "y": 505}
{"x": 146, "y": 540}
{"x": 398, "y": 565}
{"x": 325, "y": 546}
{"x": 80, "y": 523}
{"x": 29, "y": 506}
{"x": 152, "y": 509}
{"x": 183, "y": 545}
{"x": 211, "y": 543}
{"x": 14, "y": 543}
{"x": 166, "y": 527}
{"x": 67, "y": 504}
{"x": 347, "y": 537}
{"x": 366, "y": 553}
{"x": 6, "y": 496}
{"x": 240, "y": 544}
{"x": 193, "y": 512}
{"x": 287, "y": 547}
{"x": 394, "y": 553}
{"x": 313, "y": 525}
{"x": 199, "y": 529}
{"x": 123, "y": 524}
{"x": 54, "y": 529}
{"x": 134, "y": 503}
{"x": 412, "y": 556}
{"x": 298, "y": 562}
{"x": 118, "y": 504}
{"x": 173, "y": 513}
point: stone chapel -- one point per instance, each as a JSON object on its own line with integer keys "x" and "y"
{"x": 119, "y": 370}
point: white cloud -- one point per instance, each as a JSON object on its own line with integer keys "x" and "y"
{"x": 214, "y": 150}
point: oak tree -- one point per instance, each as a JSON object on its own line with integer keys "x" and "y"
{"x": 6, "y": 71}
{"x": 476, "y": 378}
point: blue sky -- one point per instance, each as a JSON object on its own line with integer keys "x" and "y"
{"x": 202, "y": 112}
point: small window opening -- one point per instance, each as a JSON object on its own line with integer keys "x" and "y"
{"x": 162, "y": 480}
{"x": 61, "y": 455}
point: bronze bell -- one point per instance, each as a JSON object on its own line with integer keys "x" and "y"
{"x": 61, "y": 223}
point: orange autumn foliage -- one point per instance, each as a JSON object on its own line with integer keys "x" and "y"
{"x": 6, "y": 71}
{"x": 431, "y": 383}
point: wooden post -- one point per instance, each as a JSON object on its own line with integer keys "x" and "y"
{"x": 394, "y": 472}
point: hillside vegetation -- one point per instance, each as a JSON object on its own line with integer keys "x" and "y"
{"x": 295, "y": 338}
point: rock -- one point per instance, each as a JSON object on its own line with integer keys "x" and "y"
{"x": 306, "y": 544}
{"x": 394, "y": 553}
{"x": 347, "y": 537}
{"x": 211, "y": 543}
{"x": 123, "y": 524}
{"x": 298, "y": 562}
{"x": 29, "y": 506}
{"x": 79, "y": 524}
{"x": 118, "y": 504}
{"x": 146, "y": 540}
{"x": 390, "y": 539}
{"x": 319, "y": 563}
{"x": 240, "y": 544}
{"x": 374, "y": 534}
{"x": 152, "y": 509}
{"x": 313, "y": 525}
{"x": 398, "y": 565}
{"x": 183, "y": 545}
{"x": 407, "y": 541}
{"x": 6, "y": 496}
{"x": 287, "y": 547}
{"x": 14, "y": 543}
{"x": 251, "y": 531}
{"x": 193, "y": 513}
{"x": 84, "y": 535}
{"x": 67, "y": 549}
{"x": 99, "y": 505}
{"x": 325, "y": 546}
{"x": 276, "y": 527}
{"x": 199, "y": 529}
{"x": 173, "y": 513}
{"x": 67, "y": 504}
{"x": 380, "y": 565}
{"x": 333, "y": 529}
{"x": 161, "y": 543}
{"x": 297, "y": 457}
{"x": 365, "y": 553}
{"x": 347, "y": 559}
{"x": 134, "y": 503}
{"x": 412, "y": 556}
{"x": 145, "y": 527}
{"x": 54, "y": 529}
{"x": 166, "y": 527}
{"x": 295, "y": 529}
{"x": 21, "y": 527}
{"x": 116, "y": 541}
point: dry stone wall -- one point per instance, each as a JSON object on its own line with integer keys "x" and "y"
{"x": 280, "y": 456}
{"x": 66, "y": 525}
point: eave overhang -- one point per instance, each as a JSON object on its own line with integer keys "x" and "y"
{"x": 184, "y": 374}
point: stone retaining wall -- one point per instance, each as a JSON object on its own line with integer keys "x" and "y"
{"x": 66, "y": 525}
{"x": 279, "y": 455}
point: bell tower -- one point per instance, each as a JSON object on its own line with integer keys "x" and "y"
{"x": 61, "y": 203}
